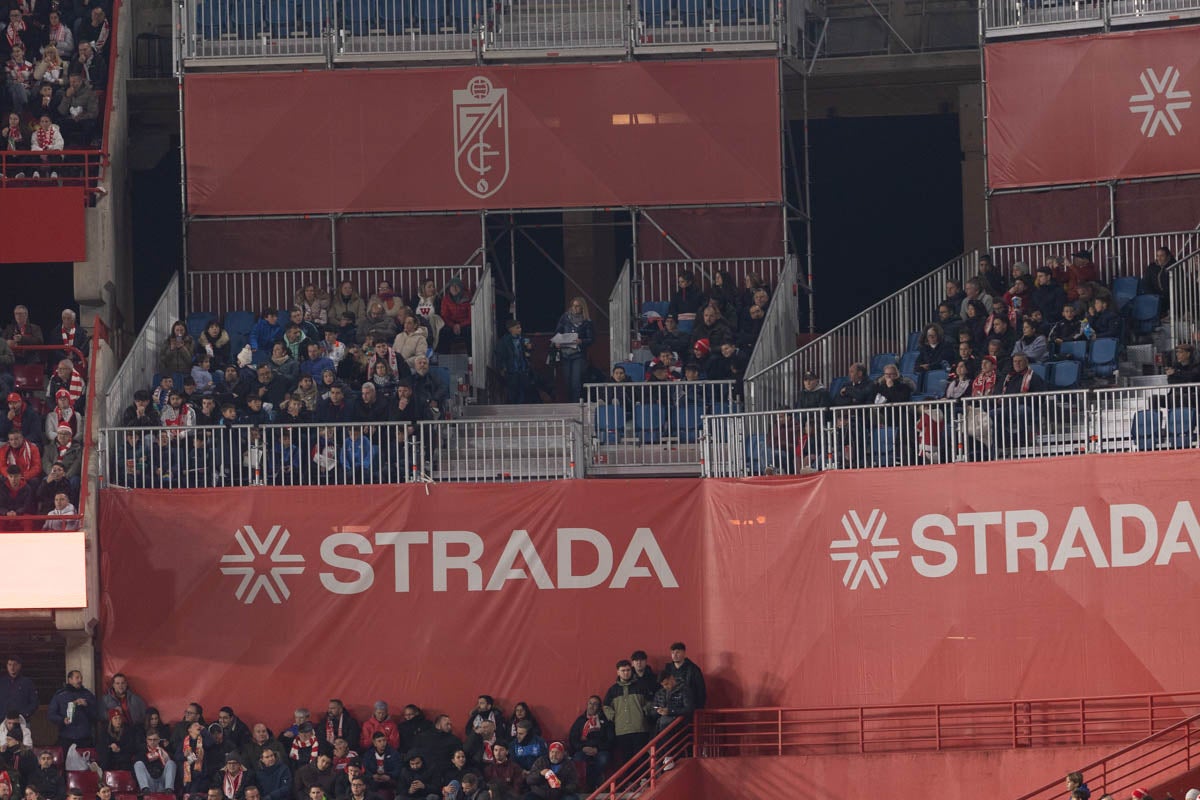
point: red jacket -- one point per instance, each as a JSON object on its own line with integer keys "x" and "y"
{"x": 27, "y": 457}
{"x": 373, "y": 726}
{"x": 456, "y": 313}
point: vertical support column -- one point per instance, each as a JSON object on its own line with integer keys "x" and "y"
{"x": 590, "y": 254}
{"x": 970, "y": 138}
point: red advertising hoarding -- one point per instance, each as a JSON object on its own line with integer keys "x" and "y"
{"x": 1093, "y": 108}
{"x": 983, "y": 581}
{"x": 44, "y": 238}
{"x": 450, "y": 138}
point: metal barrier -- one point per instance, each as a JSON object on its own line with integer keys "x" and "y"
{"x": 656, "y": 281}
{"x": 1113, "y": 256}
{"x": 489, "y": 450}
{"x": 312, "y": 454}
{"x": 406, "y": 281}
{"x": 662, "y": 23}
{"x": 999, "y": 724}
{"x": 544, "y": 26}
{"x": 780, "y": 326}
{"x": 991, "y": 428}
{"x": 653, "y": 425}
{"x": 620, "y": 316}
{"x": 483, "y": 328}
{"x": 644, "y": 771}
{"x": 262, "y": 29}
{"x": 47, "y": 168}
{"x": 372, "y": 27}
{"x": 1016, "y": 17}
{"x": 882, "y": 328}
{"x": 141, "y": 362}
{"x": 223, "y": 291}
{"x": 1184, "y": 300}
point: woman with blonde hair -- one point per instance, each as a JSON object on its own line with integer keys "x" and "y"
{"x": 572, "y": 337}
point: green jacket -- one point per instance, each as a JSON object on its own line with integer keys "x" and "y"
{"x": 626, "y": 706}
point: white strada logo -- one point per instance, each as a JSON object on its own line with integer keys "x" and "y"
{"x": 1160, "y": 102}
{"x": 871, "y": 565}
{"x": 1021, "y": 540}
{"x": 270, "y": 581}
{"x": 481, "y": 137}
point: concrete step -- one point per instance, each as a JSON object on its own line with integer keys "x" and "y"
{"x": 569, "y": 411}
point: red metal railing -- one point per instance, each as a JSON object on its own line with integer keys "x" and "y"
{"x": 941, "y": 726}
{"x": 1166, "y": 754}
{"x": 644, "y": 771}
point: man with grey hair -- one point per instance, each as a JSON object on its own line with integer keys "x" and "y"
{"x": 974, "y": 291}
{"x": 22, "y": 332}
{"x": 371, "y": 407}
{"x": 428, "y": 390}
{"x": 70, "y": 333}
{"x": 858, "y": 391}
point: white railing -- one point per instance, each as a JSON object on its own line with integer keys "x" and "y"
{"x": 991, "y": 428}
{"x": 489, "y": 450}
{"x": 141, "y": 362}
{"x": 355, "y": 30}
{"x": 312, "y": 454}
{"x": 1184, "y": 300}
{"x": 782, "y": 323}
{"x": 649, "y": 424}
{"x": 406, "y": 281}
{"x": 1014, "y": 17}
{"x": 223, "y": 291}
{"x": 882, "y": 328}
{"x": 1113, "y": 256}
{"x": 620, "y": 316}
{"x": 656, "y": 281}
{"x": 483, "y": 328}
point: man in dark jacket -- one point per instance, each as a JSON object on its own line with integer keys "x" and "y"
{"x": 47, "y": 778}
{"x": 17, "y": 692}
{"x": 140, "y": 414}
{"x": 273, "y": 778}
{"x": 643, "y": 675}
{"x": 318, "y": 772}
{"x": 74, "y": 710}
{"x": 418, "y": 778}
{"x": 892, "y": 387}
{"x": 1047, "y": 296}
{"x": 686, "y": 671}
{"x": 552, "y": 777}
{"x": 1185, "y": 369}
{"x": 382, "y": 765}
{"x": 439, "y": 743}
{"x": 813, "y": 395}
{"x": 859, "y": 391}
{"x": 688, "y": 299}
{"x": 414, "y": 724}
{"x": 673, "y": 700}
{"x": 591, "y": 740}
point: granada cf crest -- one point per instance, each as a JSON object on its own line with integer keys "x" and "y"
{"x": 481, "y": 137}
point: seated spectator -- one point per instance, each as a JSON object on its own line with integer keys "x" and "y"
{"x": 79, "y": 110}
{"x": 934, "y": 352}
{"x": 975, "y": 293}
{"x": 202, "y": 375}
{"x": 380, "y": 721}
{"x": 966, "y": 354}
{"x": 456, "y": 770}
{"x": 428, "y": 391}
{"x": 950, "y": 321}
{"x": 750, "y": 320}
{"x": 51, "y": 69}
{"x": 812, "y": 393}
{"x": 892, "y": 387}
{"x": 552, "y": 777}
{"x": 306, "y": 746}
{"x": 177, "y": 414}
{"x": 1018, "y": 299}
{"x": 314, "y": 304}
{"x": 481, "y": 742}
{"x": 386, "y": 296}
{"x": 273, "y": 778}
{"x": 346, "y": 301}
{"x": 526, "y": 747}
{"x": 1068, "y": 328}
{"x": 175, "y": 355}
{"x": 46, "y": 778}
{"x": 22, "y": 418}
{"x": 418, "y": 778}
{"x": 336, "y": 408}
{"x": 990, "y": 278}
{"x": 619, "y": 375}
{"x": 503, "y": 771}
{"x": 233, "y": 780}
{"x": 1021, "y": 380}
{"x": 334, "y": 350}
{"x": 18, "y": 32}
{"x": 161, "y": 395}
{"x": 16, "y": 495}
{"x": 522, "y": 711}
{"x": 411, "y": 341}
{"x": 317, "y": 773}
{"x": 95, "y": 30}
{"x": 23, "y": 454}
{"x": 731, "y": 365}
{"x": 92, "y": 66}
{"x": 995, "y": 349}
{"x": 63, "y": 414}
{"x": 711, "y": 326}
{"x": 456, "y": 314}
{"x": 116, "y": 748}
{"x": 316, "y": 361}
{"x": 347, "y": 329}
{"x": 153, "y": 766}
{"x": 64, "y": 449}
{"x": 309, "y": 331}
{"x": 591, "y": 739}
{"x": 859, "y": 390}
{"x": 1031, "y": 344}
{"x": 1103, "y": 321}
{"x": 377, "y": 322}
{"x": 23, "y": 333}
{"x": 688, "y": 299}
{"x": 1081, "y": 270}
{"x": 974, "y": 322}
{"x": 44, "y": 102}
{"x": 954, "y": 297}
{"x": 13, "y": 139}
{"x": 1000, "y": 330}
{"x": 959, "y": 385}
{"x": 214, "y": 343}
{"x": 1185, "y": 368}
{"x": 267, "y": 330}
{"x": 56, "y": 481}
{"x": 140, "y": 413}
{"x": 67, "y": 376}
{"x": 670, "y": 338}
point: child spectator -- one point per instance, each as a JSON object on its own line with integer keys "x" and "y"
{"x": 266, "y": 331}
{"x": 202, "y": 375}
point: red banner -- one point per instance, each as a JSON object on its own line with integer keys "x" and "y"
{"x": 991, "y": 581}
{"x": 562, "y": 135}
{"x": 57, "y": 237}
{"x": 1089, "y": 108}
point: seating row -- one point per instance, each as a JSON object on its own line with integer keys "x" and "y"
{"x": 652, "y": 422}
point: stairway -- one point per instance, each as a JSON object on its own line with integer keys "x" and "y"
{"x": 510, "y": 443}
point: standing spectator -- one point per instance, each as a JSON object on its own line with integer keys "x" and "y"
{"x": 22, "y": 332}
{"x": 643, "y": 674}
{"x": 119, "y": 695}
{"x": 380, "y": 722}
{"x": 552, "y": 777}
{"x": 673, "y": 700}
{"x": 17, "y": 692}
{"x": 591, "y": 740}
{"x": 990, "y": 278}
{"x": 74, "y": 709}
{"x": 1156, "y": 279}
{"x": 575, "y": 335}
{"x": 688, "y": 299}
{"x": 431, "y": 396}
{"x": 70, "y": 334}
{"x": 686, "y": 670}
{"x": 1076, "y": 787}
{"x": 627, "y": 705}
{"x": 415, "y": 723}
{"x": 456, "y": 314}
{"x": 1047, "y": 296}
{"x": 751, "y": 318}
{"x": 1081, "y": 270}
{"x": 514, "y": 361}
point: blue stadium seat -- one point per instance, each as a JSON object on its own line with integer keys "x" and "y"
{"x": 687, "y": 424}
{"x": 1076, "y": 351}
{"x": 836, "y": 386}
{"x": 443, "y": 376}
{"x": 261, "y": 356}
{"x": 721, "y": 408}
{"x": 610, "y": 424}
{"x": 883, "y": 446}
{"x": 635, "y": 371}
{"x": 908, "y": 364}
{"x": 647, "y": 422}
{"x": 1145, "y": 313}
{"x": 935, "y": 384}
{"x": 1124, "y": 289}
{"x": 879, "y": 361}
{"x": 1064, "y": 374}
{"x": 1103, "y": 356}
{"x": 686, "y": 325}
{"x": 914, "y": 342}
{"x": 1181, "y": 422}
{"x": 196, "y": 322}
{"x": 1039, "y": 370}
{"x": 211, "y": 18}
{"x": 1146, "y": 430}
{"x": 756, "y": 454}
{"x": 239, "y": 324}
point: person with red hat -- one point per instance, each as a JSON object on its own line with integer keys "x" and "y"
{"x": 63, "y": 413}
{"x": 20, "y": 416}
{"x": 552, "y": 777}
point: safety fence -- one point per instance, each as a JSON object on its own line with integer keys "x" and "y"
{"x": 483, "y": 327}
{"x": 988, "y": 428}
{"x": 351, "y": 30}
{"x": 781, "y": 324}
{"x": 650, "y": 424}
{"x": 1016, "y": 17}
{"x": 219, "y": 292}
{"x": 53, "y": 168}
{"x": 1183, "y": 295}
{"x": 141, "y": 362}
{"x": 1114, "y": 256}
{"x": 645, "y": 770}
{"x": 656, "y": 281}
{"x": 621, "y": 316}
{"x": 882, "y": 328}
{"x": 505, "y": 450}
{"x": 940, "y": 726}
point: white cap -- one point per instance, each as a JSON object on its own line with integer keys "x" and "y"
{"x": 1193, "y": 794}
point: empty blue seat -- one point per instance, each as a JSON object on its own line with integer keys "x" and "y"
{"x": 1039, "y": 370}
{"x": 687, "y": 424}
{"x": 238, "y": 325}
{"x": 647, "y": 422}
{"x": 836, "y": 386}
{"x": 1102, "y": 357}
{"x": 261, "y": 356}
{"x": 635, "y": 371}
{"x": 443, "y": 376}
{"x": 908, "y": 363}
{"x": 1124, "y": 289}
{"x": 610, "y": 424}
{"x": 1145, "y": 313}
{"x": 1180, "y": 424}
{"x": 878, "y": 362}
{"x": 914, "y": 342}
{"x": 1146, "y": 430}
{"x": 686, "y": 325}
{"x": 935, "y": 384}
{"x": 196, "y": 322}
{"x": 1064, "y": 374}
{"x": 1076, "y": 351}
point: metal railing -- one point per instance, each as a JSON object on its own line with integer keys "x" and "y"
{"x": 483, "y": 328}
{"x": 1113, "y": 256}
{"x": 650, "y": 424}
{"x": 352, "y": 30}
{"x": 1169, "y": 753}
{"x": 1015, "y": 17}
{"x": 490, "y": 450}
{"x": 1184, "y": 299}
{"x": 990, "y": 428}
{"x": 406, "y": 281}
{"x": 656, "y": 281}
{"x": 781, "y": 324}
{"x": 310, "y": 454}
{"x": 644, "y": 771}
{"x": 141, "y": 362}
{"x": 53, "y": 168}
{"x": 882, "y": 328}
{"x": 940, "y": 726}
{"x": 620, "y": 316}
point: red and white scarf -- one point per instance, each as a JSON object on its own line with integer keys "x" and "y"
{"x": 1025, "y": 381}
{"x": 232, "y": 783}
{"x": 19, "y": 71}
{"x": 157, "y": 754}
{"x": 983, "y": 384}
{"x": 23, "y": 460}
{"x": 68, "y": 337}
{"x": 295, "y": 752}
{"x": 190, "y": 764}
{"x": 75, "y": 385}
{"x": 334, "y": 731}
{"x": 15, "y": 138}
{"x": 590, "y": 724}
{"x": 58, "y": 35}
{"x": 102, "y": 39}
{"x": 13, "y": 32}
{"x": 45, "y": 137}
